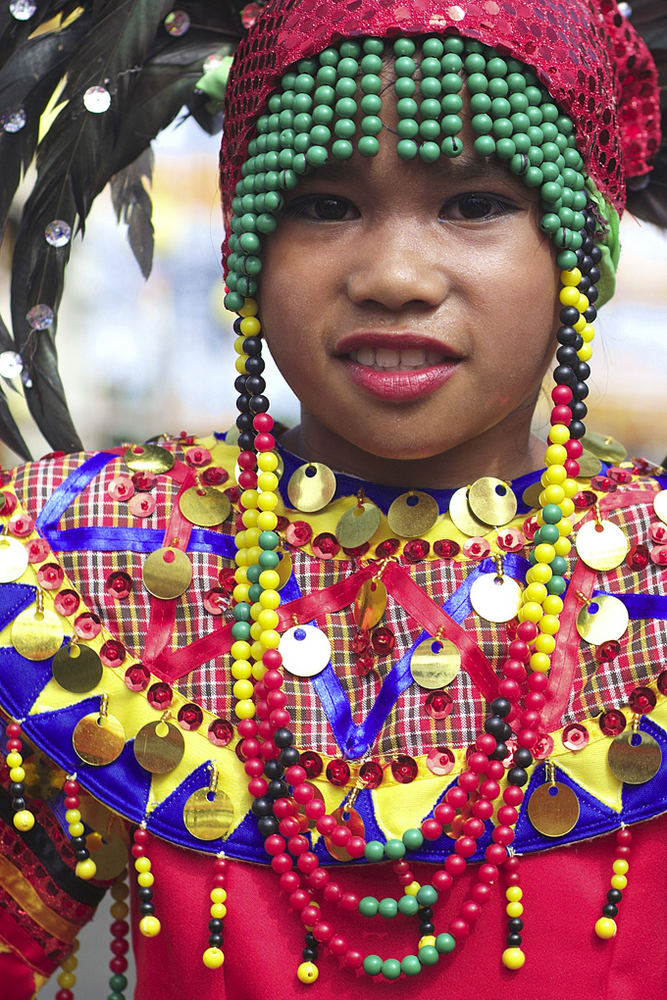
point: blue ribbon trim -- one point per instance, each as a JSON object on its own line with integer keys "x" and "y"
{"x": 639, "y": 605}
{"x": 66, "y": 493}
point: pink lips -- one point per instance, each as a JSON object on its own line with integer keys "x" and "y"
{"x": 397, "y": 385}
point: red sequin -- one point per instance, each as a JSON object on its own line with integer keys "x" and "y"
{"x": 364, "y": 664}
{"x": 216, "y": 600}
{"x": 50, "y": 576}
{"x": 476, "y": 548}
{"x": 338, "y": 772}
{"x": 415, "y": 550}
{"x": 197, "y": 457}
{"x": 659, "y": 555}
{"x": 658, "y": 532}
{"x": 226, "y": 578}
{"x": 357, "y": 551}
{"x": 9, "y": 505}
{"x": 603, "y": 484}
{"x": 543, "y": 748}
{"x": 383, "y": 640}
{"x": 112, "y": 653}
{"x": 220, "y": 732}
{"x": 642, "y": 700}
{"x": 439, "y": 704}
{"x": 440, "y": 760}
{"x": 66, "y": 602}
{"x": 233, "y": 493}
{"x": 575, "y": 737}
{"x": 190, "y": 717}
{"x": 360, "y": 642}
{"x": 311, "y": 762}
{"x": 389, "y": 547}
{"x": 371, "y": 774}
{"x": 511, "y": 540}
{"x": 119, "y": 585}
{"x": 325, "y": 545}
{"x": 87, "y": 625}
{"x": 159, "y": 695}
{"x": 21, "y": 525}
{"x": 608, "y": 651}
{"x": 214, "y": 476}
{"x": 298, "y": 533}
{"x": 638, "y": 557}
{"x": 584, "y": 499}
{"x": 144, "y": 481}
{"x": 662, "y": 682}
{"x": 446, "y": 548}
{"x": 142, "y": 505}
{"x": 121, "y": 488}
{"x": 38, "y": 550}
{"x": 404, "y": 769}
{"x": 612, "y": 723}
{"x": 137, "y": 677}
{"x": 530, "y": 527}
{"x": 619, "y": 475}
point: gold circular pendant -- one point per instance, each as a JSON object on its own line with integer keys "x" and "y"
{"x": 208, "y": 815}
{"x": 311, "y": 487}
{"x": 98, "y": 739}
{"x": 167, "y": 573}
{"x": 605, "y": 447}
{"x": 462, "y": 517}
{"x": 660, "y": 505}
{"x": 110, "y": 854}
{"x": 159, "y": 747}
{"x": 369, "y": 604}
{"x": 305, "y": 650}
{"x": 634, "y": 758}
{"x": 355, "y": 824}
{"x": 358, "y": 525}
{"x": 495, "y": 598}
{"x": 205, "y": 506}
{"x": 604, "y": 619}
{"x": 602, "y": 545}
{"x": 13, "y": 559}
{"x": 148, "y": 458}
{"x": 413, "y": 514}
{"x": 37, "y": 635}
{"x": 553, "y": 809}
{"x": 531, "y": 495}
{"x": 77, "y": 668}
{"x": 435, "y": 663}
{"x": 589, "y": 465}
{"x": 492, "y": 501}
{"x": 284, "y": 568}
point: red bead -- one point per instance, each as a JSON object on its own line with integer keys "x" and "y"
{"x": 495, "y": 854}
{"x": 513, "y": 795}
{"x": 503, "y": 835}
{"x": 262, "y": 422}
{"x": 478, "y": 762}
{"x": 623, "y": 852}
{"x": 561, "y": 414}
{"x": 355, "y": 847}
{"x": 265, "y": 442}
{"x": 247, "y": 728}
{"x": 537, "y": 682}
{"x": 488, "y": 873}
{"x": 519, "y": 650}
{"x": 274, "y": 844}
{"x": 314, "y": 809}
{"x": 310, "y": 915}
{"x": 72, "y": 802}
{"x": 118, "y": 964}
{"x": 534, "y": 701}
{"x": 14, "y": 745}
{"x": 119, "y": 928}
{"x": 272, "y": 660}
{"x": 470, "y": 911}
{"x": 138, "y": 851}
{"x": 481, "y": 892}
{"x": 298, "y": 899}
{"x": 289, "y": 881}
{"x": 459, "y": 928}
{"x": 318, "y": 878}
{"x": 307, "y": 862}
{"x": 465, "y": 846}
{"x": 445, "y": 812}
{"x": 431, "y": 829}
{"x": 571, "y": 467}
{"x": 455, "y": 864}
{"x": 562, "y": 394}
{"x": 624, "y": 836}
{"x": 353, "y": 959}
{"x": 64, "y": 995}
{"x": 509, "y": 689}
{"x": 323, "y": 930}
{"x": 282, "y": 863}
{"x": 254, "y": 767}
{"x": 512, "y": 864}
{"x": 483, "y": 808}
{"x": 527, "y": 738}
{"x": 219, "y": 881}
{"x": 275, "y": 699}
{"x": 507, "y": 815}
{"x": 456, "y": 797}
{"x": 303, "y": 792}
{"x": 257, "y": 787}
{"x": 349, "y": 901}
{"x": 527, "y": 631}
{"x": 141, "y": 836}
{"x": 574, "y": 448}
{"x": 514, "y": 670}
{"x": 297, "y": 845}
{"x": 269, "y": 750}
{"x": 485, "y": 743}
{"x": 513, "y": 878}
{"x": 341, "y": 835}
{"x": 490, "y": 789}
{"x": 495, "y": 770}
{"x": 248, "y": 480}
{"x": 332, "y": 892}
{"x": 279, "y": 719}
{"x": 120, "y": 947}
{"x": 468, "y": 781}
{"x": 473, "y": 827}
{"x": 326, "y": 825}
{"x": 337, "y": 945}
{"x": 442, "y": 880}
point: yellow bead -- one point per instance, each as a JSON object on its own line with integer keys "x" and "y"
{"x": 580, "y": 324}
{"x": 86, "y": 869}
{"x": 14, "y": 759}
{"x": 218, "y": 911}
{"x": 587, "y": 333}
{"x": 540, "y": 663}
{"x": 567, "y": 507}
{"x": 23, "y": 820}
{"x": 258, "y": 670}
{"x": 267, "y": 501}
{"x": 514, "y": 893}
{"x": 619, "y": 882}
{"x": 213, "y": 958}
{"x": 545, "y": 644}
{"x": 540, "y": 573}
{"x": 412, "y": 889}
{"x": 544, "y": 552}
{"x": 555, "y": 454}
{"x": 249, "y": 308}
{"x": 552, "y": 605}
{"x": 270, "y": 599}
{"x": 307, "y": 972}
{"x": 241, "y": 558}
{"x": 257, "y": 651}
{"x": 530, "y": 612}
{"x": 241, "y": 575}
{"x": 569, "y": 296}
{"x": 244, "y": 709}
{"x": 249, "y": 518}
{"x": 249, "y": 498}
{"x": 76, "y": 829}
{"x": 559, "y": 434}
{"x": 66, "y": 980}
{"x": 142, "y": 864}
{"x": 267, "y": 461}
{"x": 243, "y": 689}
{"x": 562, "y": 546}
{"x": 605, "y": 928}
{"x": 241, "y": 670}
{"x": 255, "y": 632}
{"x": 17, "y": 774}
{"x": 120, "y": 910}
{"x": 250, "y": 326}
{"x": 571, "y": 487}
{"x": 268, "y": 619}
{"x": 585, "y": 352}
{"x": 572, "y": 277}
{"x": 583, "y": 303}
{"x": 565, "y": 526}
{"x": 218, "y": 895}
{"x": 549, "y": 624}
{"x": 535, "y": 592}
{"x": 554, "y": 493}
{"x": 252, "y": 534}
{"x": 267, "y": 481}
{"x": 267, "y": 520}
{"x": 150, "y": 926}
{"x": 239, "y": 364}
{"x": 73, "y": 816}
{"x": 269, "y": 579}
{"x": 69, "y": 964}
{"x": 238, "y": 345}
{"x": 145, "y": 879}
{"x": 255, "y": 610}
{"x": 555, "y": 474}
{"x": 620, "y": 866}
{"x": 240, "y": 649}
{"x": 513, "y": 958}
{"x": 428, "y": 940}
{"x": 254, "y": 552}
{"x": 514, "y": 909}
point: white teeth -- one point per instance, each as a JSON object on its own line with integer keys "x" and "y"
{"x": 389, "y": 358}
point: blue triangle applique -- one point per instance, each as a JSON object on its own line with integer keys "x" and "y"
{"x": 650, "y": 798}
{"x": 14, "y": 597}
{"x": 22, "y": 680}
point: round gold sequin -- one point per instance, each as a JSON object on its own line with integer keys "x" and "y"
{"x": 311, "y": 487}
{"x": 205, "y": 506}
{"x": 98, "y": 739}
{"x": 167, "y": 573}
{"x": 589, "y": 465}
{"x": 553, "y": 809}
{"x": 13, "y": 559}
{"x": 159, "y": 747}
{"x": 605, "y": 447}
{"x": 601, "y": 545}
{"x": 284, "y": 568}
{"x": 604, "y": 619}
{"x": 77, "y": 668}
{"x": 369, "y": 604}
{"x": 358, "y": 525}
{"x": 435, "y": 663}
{"x": 634, "y": 757}
{"x": 148, "y": 458}
{"x": 109, "y": 852}
{"x": 413, "y": 514}
{"x": 36, "y": 634}
{"x": 462, "y": 517}
{"x": 208, "y": 815}
{"x": 495, "y": 598}
{"x": 659, "y": 505}
{"x": 355, "y": 824}
{"x": 531, "y": 495}
{"x": 492, "y": 501}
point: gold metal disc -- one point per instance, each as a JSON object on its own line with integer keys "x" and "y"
{"x": 305, "y": 650}
{"x": 492, "y": 501}
{"x": 311, "y": 487}
{"x": 531, "y": 495}
{"x": 159, "y": 747}
{"x": 167, "y": 573}
{"x": 77, "y": 668}
{"x": 495, "y": 598}
{"x": 369, "y": 604}
{"x": 605, "y": 447}
{"x": 37, "y": 635}
{"x": 435, "y": 663}
{"x": 553, "y": 809}
{"x": 353, "y": 821}
{"x": 109, "y": 852}
{"x": 634, "y": 757}
{"x": 603, "y": 620}
{"x": 659, "y": 505}
{"x": 589, "y": 465}
{"x": 284, "y": 568}
{"x": 602, "y": 546}
{"x": 358, "y": 525}
{"x": 208, "y": 815}
{"x": 462, "y": 517}
{"x": 98, "y": 739}
{"x": 413, "y": 514}
{"x": 205, "y": 506}
{"x": 13, "y": 559}
{"x": 148, "y": 458}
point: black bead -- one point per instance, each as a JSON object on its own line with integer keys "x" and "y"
{"x": 267, "y": 825}
{"x": 273, "y": 769}
{"x": 215, "y": 941}
{"x": 580, "y": 390}
{"x": 215, "y": 925}
{"x": 309, "y": 954}
{"x": 579, "y": 409}
{"x": 254, "y": 365}
{"x": 145, "y": 893}
{"x": 426, "y": 913}
{"x": 513, "y": 940}
{"x": 255, "y": 384}
{"x": 583, "y": 371}
{"x": 587, "y": 245}
{"x": 259, "y": 404}
{"x": 262, "y": 806}
{"x": 584, "y": 284}
{"x": 596, "y": 255}
{"x": 515, "y": 924}
{"x": 246, "y": 441}
{"x": 237, "y": 326}
{"x": 252, "y": 345}
{"x": 594, "y": 274}
{"x": 590, "y": 314}
{"x": 609, "y": 910}
{"x": 517, "y": 776}
{"x": 569, "y": 315}
{"x": 614, "y": 896}
{"x": 593, "y": 293}
{"x": 586, "y": 264}
{"x": 289, "y": 756}
{"x": 566, "y": 355}
{"x": 495, "y": 726}
{"x": 577, "y": 429}
{"x": 239, "y": 383}
{"x": 310, "y": 940}
{"x": 146, "y": 909}
{"x": 501, "y": 707}
{"x": 428, "y": 927}
{"x": 276, "y": 789}
{"x": 283, "y": 738}
{"x": 563, "y": 375}
{"x": 244, "y": 421}
{"x": 78, "y": 842}
{"x": 19, "y": 803}
{"x": 523, "y": 757}
{"x": 82, "y": 854}
{"x": 507, "y": 733}
{"x": 500, "y": 753}
{"x": 567, "y": 335}
{"x": 243, "y": 402}
{"x": 16, "y": 789}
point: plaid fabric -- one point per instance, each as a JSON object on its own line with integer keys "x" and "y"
{"x": 408, "y": 727}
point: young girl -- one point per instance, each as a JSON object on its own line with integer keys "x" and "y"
{"x": 334, "y": 694}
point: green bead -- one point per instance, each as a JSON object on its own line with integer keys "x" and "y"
{"x": 451, "y": 146}
{"x": 411, "y": 966}
{"x": 307, "y": 66}
{"x": 474, "y": 63}
{"x": 268, "y": 540}
{"x": 558, "y": 564}
{"x": 430, "y": 86}
{"x": 247, "y": 286}
{"x": 317, "y": 156}
{"x": 329, "y": 57}
{"x": 549, "y": 533}
{"x": 535, "y": 155}
{"x": 566, "y": 260}
{"x": 250, "y": 242}
{"x": 505, "y": 149}
{"x": 327, "y": 76}
{"x": 242, "y": 611}
{"x": 550, "y": 192}
{"x": 350, "y": 49}
{"x": 348, "y": 67}
{"x": 371, "y": 104}
{"x": 304, "y": 83}
{"x": 482, "y": 124}
{"x": 522, "y": 142}
{"x": 432, "y": 47}
{"x": 516, "y": 82}
{"x": 371, "y": 125}
{"x": 550, "y": 171}
{"x": 287, "y": 137}
{"x": 518, "y": 164}
{"x": 405, "y": 66}
{"x": 271, "y": 160}
{"x": 452, "y": 104}
{"x": 479, "y": 104}
{"x": 451, "y": 125}
{"x": 408, "y": 906}
{"x": 452, "y": 63}
{"x": 404, "y": 47}
{"x": 430, "y": 66}
{"x": 118, "y": 981}
{"x": 406, "y": 107}
{"x": 534, "y": 133}
{"x": 413, "y": 839}
{"x": 579, "y": 201}
{"x": 346, "y": 87}
{"x": 498, "y": 87}
{"x": 325, "y": 95}
{"x": 454, "y": 44}
{"x": 445, "y": 943}
{"x": 368, "y": 145}
{"x": 519, "y": 103}
{"x": 374, "y": 851}
{"x": 303, "y": 122}
{"x": 534, "y": 94}
{"x": 320, "y": 135}
{"x": 241, "y": 630}
{"x": 405, "y": 87}
{"x": 430, "y": 129}
{"x": 520, "y": 122}
{"x": 430, "y": 108}
{"x": 477, "y": 83}
{"x": 391, "y": 968}
{"x": 485, "y": 145}
{"x": 566, "y": 216}
{"x": 266, "y": 223}
{"x": 577, "y": 240}
{"x": 407, "y": 128}
{"x": 375, "y": 45}
{"x": 370, "y": 84}
{"x": 551, "y": 151}
{"x": 549, "y": 112}
{"x": 549, "y": 131}
{"x": 394, "y": 849}
{"x": 371, "y": 63}
{"x": 496, "y": 67}
{"x": 388, "y": 908}
{"x": 254, "y": 592}
{"x": 579, "y": 221}
{"x": 428, "y": 955}
{"x": 342, "y": 149}
{"x": 345, "y": 128}
{"x": 427, "y": 896}
{"x": 429, "y": 152}
{"x": 346, "y": 107}
{"x": 564, "y": 124}
{"x": 323, "y": 114}
{"x": 550, "y": 223}
{"x": 557, "y": 585}
{"x": 372, "y": 965}
{"x": 368, "y": 906}
{"x": 269, "y": 560}
{"x": 561, "y": 142}
{"x": 115, "y": 995}
{"x": 502, "y": 128}
{"x": 288, "y": 179}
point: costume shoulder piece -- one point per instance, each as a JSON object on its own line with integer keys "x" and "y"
{"x": 117, "y": 573}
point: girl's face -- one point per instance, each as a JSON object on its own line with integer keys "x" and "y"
{"x": 412, "y": 308}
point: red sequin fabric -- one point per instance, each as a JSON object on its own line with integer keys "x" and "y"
{"x": 588, "y": 55}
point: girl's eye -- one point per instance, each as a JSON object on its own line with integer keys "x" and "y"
{"x": 472, "y": 207}
{"x": 321, "y": 208}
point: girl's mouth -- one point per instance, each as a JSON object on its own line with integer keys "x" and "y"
{"x": 399, "y": 360}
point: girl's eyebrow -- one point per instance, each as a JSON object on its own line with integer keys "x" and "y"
{"x": 464, "y": 167}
